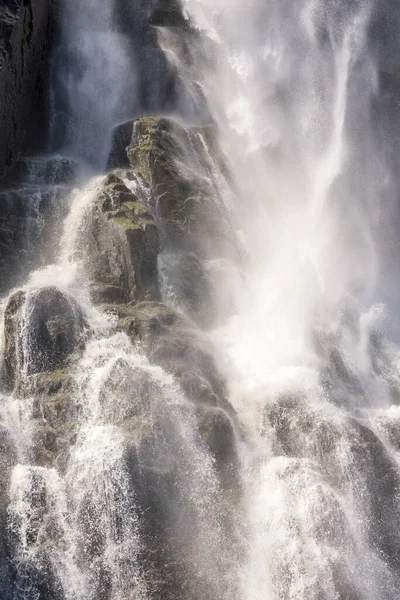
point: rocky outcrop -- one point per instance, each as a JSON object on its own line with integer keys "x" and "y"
{"x": 176, "y": 164}
{"x": 184, "y": 175}
{"x": 23, "y": 72}
{"x": 121, "y": 245}
{"x": 29, "y": 224}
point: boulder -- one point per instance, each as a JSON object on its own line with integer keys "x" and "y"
{"x": 42, "y": 329}
{"x": 168, "y": 13}
{"x": 121, "y": 138}
{"x": 191, "y": 290}
{"x": 216, "y": 430}
{"x": 30, "y": 222}
{"x": 120, "y": 244}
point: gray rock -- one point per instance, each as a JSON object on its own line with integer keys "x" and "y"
{"x": 121, "y": 138}
{"x": 60, "y": 170}
{"x": 120, "y": 243}
{"x": 176, "y": 164}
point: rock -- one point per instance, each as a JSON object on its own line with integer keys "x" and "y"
{"x": 177, "y": 166}
{"x": 128, "y": 394}
{"x": 42, "y": 329}
{"x": 23, "y": 74}
{"x": 121, "y": 138}
{"x": 18, "y": 172}
{"x": 30, "y": 222}
{"x": 60, "y": 170}
{"x": 174, "y": 343}
{"x": 121, "y": 245}
{"x": 217, "y": 432}
{"x": 188, "y": 279}
{"x": 353, "y": 459}
{"x": 168, "y": 13}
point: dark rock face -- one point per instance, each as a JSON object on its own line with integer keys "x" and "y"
{"x": 123, "y": 245}
{"x": 29, "y": 220}
{"x": 42, "y": 329}
{"x": 60, "y": 170}
{"x": 23, "y": 72}
{"x": 121, "y": 138}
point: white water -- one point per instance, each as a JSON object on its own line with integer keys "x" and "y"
{"x": 292, "y": 88}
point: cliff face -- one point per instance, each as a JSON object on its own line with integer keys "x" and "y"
{"x": 23, "y": 74}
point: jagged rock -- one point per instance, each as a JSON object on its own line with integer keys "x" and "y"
{"x": 121, "y": 246}
{"x": 42, "y": 329}
{"x": 347, "y": 451}
{"x": 176, "y": 164}
{"x": 217, "y": 432}
{"x": 23, "y": 68}
{"x": 168, "y": 13}
{"x": 29, "y": 224}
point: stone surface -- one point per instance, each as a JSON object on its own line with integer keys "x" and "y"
{"x": 23, "y": 75}
{"x": 121, "y": 138}
{"x": 348, "y": 453}
{"x": 176, "y": 164}
{"x": 30, "y": 226}
{"x": 60, "y": 170}
{"x": 121, "y": 246}
{"x": 174, "y": 343}
{"x": 42, "y": 329}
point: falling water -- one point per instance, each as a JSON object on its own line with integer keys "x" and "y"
{"x": 311, "y": 354}
{"x": 308, "y": 342}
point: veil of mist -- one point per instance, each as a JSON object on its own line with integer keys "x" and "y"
{"x": 199, "y": 300}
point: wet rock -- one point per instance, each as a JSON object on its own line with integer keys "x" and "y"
{"x": 128, "y": 394}
{"x": 192, "y": 291}
{"x": 23, "y": 73}
{"x": 120, "y": 244}
{"x": 30, "y": 219}
{"x": 176, "y": 164}
{"x": 353, "y": 459}
{"x": 42, "y": 329}
{"x": 121, "y": 138}
{"x": 60, "y": 170}
{"x": 168, "y": 14}
{"x": 217, "y": 432}
{"x": 173, "y": 342}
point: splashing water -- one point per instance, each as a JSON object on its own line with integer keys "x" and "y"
{"x": 310, "y": 356}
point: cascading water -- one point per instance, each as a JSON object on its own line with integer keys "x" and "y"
{"x": 296, "y": 90}
{"x": 136, "y": 504}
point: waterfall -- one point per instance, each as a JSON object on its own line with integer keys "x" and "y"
{"x": 200, "y": 377}
{"x": 311, "y": 353}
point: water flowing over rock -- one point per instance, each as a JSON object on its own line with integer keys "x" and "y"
{"x": 42, "y": 328}
{"x": 199, "y": 359}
